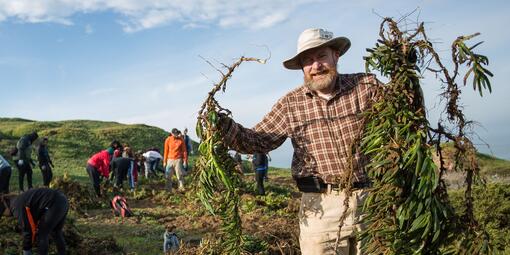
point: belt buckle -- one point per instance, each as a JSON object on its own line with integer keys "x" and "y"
{"x": 329, "y": 188}
{"x": 332, "y": 187}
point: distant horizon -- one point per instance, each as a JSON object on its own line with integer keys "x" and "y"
{"x": 277, "y": 163}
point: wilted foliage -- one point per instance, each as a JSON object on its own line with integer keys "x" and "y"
{"x": 219, "y": 182}
{"x": 408, "y": 210}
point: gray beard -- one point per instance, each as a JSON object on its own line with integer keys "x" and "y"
{"x": 324, "y": 83}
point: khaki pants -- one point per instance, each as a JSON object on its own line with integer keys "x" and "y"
{"x": 319, "y": 220}
{"x": 175, "y": 166}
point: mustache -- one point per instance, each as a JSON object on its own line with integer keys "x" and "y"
{"x": 325, "y": 71}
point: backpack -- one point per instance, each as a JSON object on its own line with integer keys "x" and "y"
{"x": 120, "y": 207}
{"x": 171, "y": 242}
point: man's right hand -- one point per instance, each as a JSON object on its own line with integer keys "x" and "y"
{"x": 224, "y": 122}
{"x": 20, "y": 162}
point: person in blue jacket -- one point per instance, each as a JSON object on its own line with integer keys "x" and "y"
{"x": 261, "y": 165}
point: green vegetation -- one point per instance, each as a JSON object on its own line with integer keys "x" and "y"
{"x": 408, "y": 210}
{"x": 270, "y": 224}
{"x": 218, "y": 180}
{"x": 492, "y": 210}
{"x": 71, "y": 143}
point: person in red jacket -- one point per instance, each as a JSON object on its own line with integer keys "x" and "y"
{"x": 98, "y": 166}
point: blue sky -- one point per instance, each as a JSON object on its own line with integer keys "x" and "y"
{"x": 139, "y": 61}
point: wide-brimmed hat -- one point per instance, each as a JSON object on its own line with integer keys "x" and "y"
{"x": 313, "y": 38}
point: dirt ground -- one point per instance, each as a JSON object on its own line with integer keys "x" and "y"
{"x": 269, "y": 222}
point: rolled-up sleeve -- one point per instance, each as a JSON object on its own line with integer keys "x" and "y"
{"x": 267, "y": 135}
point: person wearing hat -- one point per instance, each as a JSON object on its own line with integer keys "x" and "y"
{"x": 175, "y": 157}
{"x": 45, "y": 163}
{"x": 24, "y": 160}
{"x": 40, "y": 212}
{"x": 322, "y": 117}
{"x": 98, "y": 167}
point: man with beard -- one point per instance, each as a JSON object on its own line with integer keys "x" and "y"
{"x": 322, "y": 117}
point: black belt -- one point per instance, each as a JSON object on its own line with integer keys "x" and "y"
{"x": 315, "y": 184}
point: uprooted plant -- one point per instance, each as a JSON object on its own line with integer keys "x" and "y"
{"x": 407, "y": 209}
{"x": 219, "y": 182}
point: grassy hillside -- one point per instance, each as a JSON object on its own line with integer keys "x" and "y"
{"x": 72, "y": 142}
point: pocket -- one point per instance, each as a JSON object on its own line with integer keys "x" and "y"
{"x": 310, "y": 206}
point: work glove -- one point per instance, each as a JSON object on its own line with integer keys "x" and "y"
{"x": 224, "y": 122}
{"x": 185, "y": 165}
{"x": 20, "y": 162}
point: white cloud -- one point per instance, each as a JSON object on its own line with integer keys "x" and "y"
{"x": 139, "y": 15}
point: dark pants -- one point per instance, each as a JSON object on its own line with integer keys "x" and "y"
{"x": 259, "y": 177}
{"x": 47, "y": 174}
{"x": 120, "y": 175}
{"x": 94, "y": 178}
{"x": 25, "y": 169}
{"x": 52, "y": 223}
{"x": 5, "y": 177}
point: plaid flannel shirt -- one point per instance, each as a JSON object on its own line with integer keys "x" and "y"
{"x": 321, "y": 130}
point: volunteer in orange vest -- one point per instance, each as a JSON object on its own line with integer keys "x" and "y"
{"x": 175, "y": 158}
{"x": 40, "y": 212}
